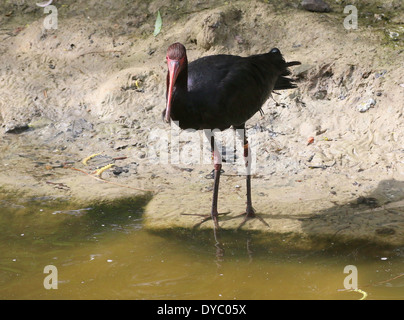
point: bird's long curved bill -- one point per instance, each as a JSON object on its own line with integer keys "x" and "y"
{"x": 173, "y": 70}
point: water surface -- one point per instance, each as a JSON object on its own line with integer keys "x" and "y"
{"x": 102, "y": 251}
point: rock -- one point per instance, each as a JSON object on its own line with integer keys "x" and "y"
{"x": 380, "y": 74}
{"x": 365, "y": 106}
{"x": 15, "y": 128}
{"x": 216, "y": 29}
{"x": 78, "y": 126}
{"x": 320, "y": 94}
{"x": 394, "y": 35}
{"x": 118, "y": 170}
{"x": 211, "y": 24}
{"x": 316, "y": 6}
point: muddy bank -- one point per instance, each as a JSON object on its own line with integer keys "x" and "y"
{"x": 96, "y": 85}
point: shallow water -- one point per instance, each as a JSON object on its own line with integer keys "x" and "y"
{"x": 102, "y": 251}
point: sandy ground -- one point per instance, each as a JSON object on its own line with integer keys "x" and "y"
{"x": 96, "y": 85}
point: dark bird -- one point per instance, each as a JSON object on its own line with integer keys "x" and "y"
{"x": 219, "y": 92}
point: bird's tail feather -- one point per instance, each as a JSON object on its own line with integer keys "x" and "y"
{"x": 293, "y": 63}
{"x": 283, "y": 81}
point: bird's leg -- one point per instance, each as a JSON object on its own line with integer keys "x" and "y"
{"x": 217, "y": 161}
{"x": 250, "y": 212}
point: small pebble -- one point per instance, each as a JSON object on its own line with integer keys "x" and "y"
{"x": 316, "y": 5}
{"x": 365, "y": 106}
{"x": 394, "y": 35}
{"x": 380, "y": 74}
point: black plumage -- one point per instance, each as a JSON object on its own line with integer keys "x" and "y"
{"x": 220, "y": 91}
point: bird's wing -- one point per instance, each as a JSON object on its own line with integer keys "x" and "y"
{"x": 205, "y": 77}
{"x": 246, "y": 87}
{"x": 228, "y": 90}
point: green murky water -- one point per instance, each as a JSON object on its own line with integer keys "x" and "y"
{"x": 103, "y": 252}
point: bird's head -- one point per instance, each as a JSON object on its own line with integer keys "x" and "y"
{"x": 176, "y": 61}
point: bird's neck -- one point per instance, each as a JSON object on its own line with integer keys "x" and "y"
{"x": 182, "y": 80}
{"x": 180, "y": 110}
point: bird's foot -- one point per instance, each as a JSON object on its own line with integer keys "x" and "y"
{"x": 250, "y": 214}
{"x": 206, "y": 217}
